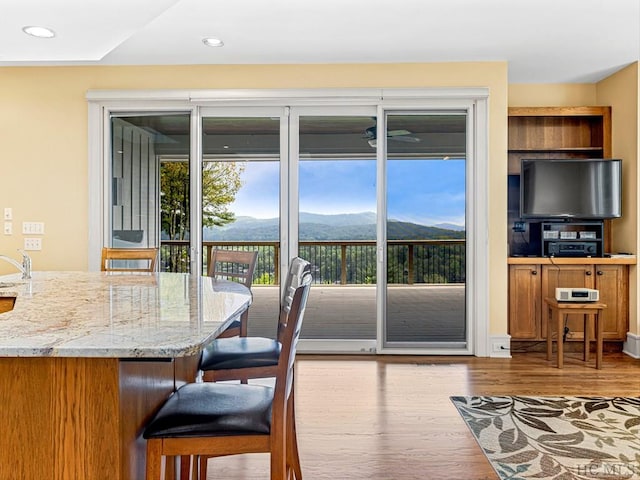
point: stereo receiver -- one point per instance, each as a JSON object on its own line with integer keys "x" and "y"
{"x": 572, "y": 249}
{"x": 577, "y": 295}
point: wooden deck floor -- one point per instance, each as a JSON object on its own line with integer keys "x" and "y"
{"x": 415, "y": 313}
{"x": 390, "y": 417}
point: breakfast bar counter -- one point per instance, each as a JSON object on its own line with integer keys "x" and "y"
{"x": 86, "y": 358}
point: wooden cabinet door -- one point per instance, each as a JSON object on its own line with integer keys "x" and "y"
{"x": 6, "y": 304}
{"x": 524, "y": 302}
{"x": 566, "y": 276}
{"x": 612, "y": 283}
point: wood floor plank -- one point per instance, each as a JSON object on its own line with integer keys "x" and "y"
{"x": 390, "y": 417}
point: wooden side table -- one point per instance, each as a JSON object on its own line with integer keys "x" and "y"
{"x": 555, "y": 316}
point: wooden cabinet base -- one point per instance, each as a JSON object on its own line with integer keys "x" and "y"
{"x": 78, "y": 418}
{"x": 532, "y": 279}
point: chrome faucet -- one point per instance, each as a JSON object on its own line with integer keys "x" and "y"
{"x": 25, "y": 267}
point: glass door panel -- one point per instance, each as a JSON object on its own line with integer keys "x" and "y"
{"x": 425, "y": 230}
{"x": 337, "y": 224}
{"x": 145, "y": 206}
{"x": 241, "y": 164}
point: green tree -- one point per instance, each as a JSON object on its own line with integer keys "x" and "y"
{"x": 174, "y": 200}
{"x": 220, "y": 184}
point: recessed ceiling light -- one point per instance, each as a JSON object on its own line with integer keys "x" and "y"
{"x": 212, "y": 42}
{"x": 40, "y": 32}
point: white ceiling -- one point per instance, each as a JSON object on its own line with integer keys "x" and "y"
{"x": 543, "y": 41}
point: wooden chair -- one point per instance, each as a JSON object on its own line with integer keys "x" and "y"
{"x": 212, "y": 419}
{"x": 244, "y": 358}
{"x": 109, "y": 255}
{"x": 238, "y": 266}
{"x": 250, "y": 357}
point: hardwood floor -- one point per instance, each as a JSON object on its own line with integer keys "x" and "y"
{"x": 390, "y": 417}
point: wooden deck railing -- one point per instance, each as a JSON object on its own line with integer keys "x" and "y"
{"x": 342, "y": 262}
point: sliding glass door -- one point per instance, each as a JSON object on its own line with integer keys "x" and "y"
{"x": 425, "y": 164}
{"x": 241, "y": 176}
{"x": 336, "y": 222}
{"x": 150, "y": 193}
{"x": 303, "y": 181}
{"x": 300, "y": 181}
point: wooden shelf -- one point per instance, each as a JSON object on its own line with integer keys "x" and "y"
{"x": 558, "y": 132}
{"x": 555, "y": 111}
{"x": 557, "y": 149}
{"x": 627, "y": 260}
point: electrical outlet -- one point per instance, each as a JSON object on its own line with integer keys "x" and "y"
{"x": 501, "y": 346}
{"x": 33, "y": 244}
{"x": 8, "y": 228}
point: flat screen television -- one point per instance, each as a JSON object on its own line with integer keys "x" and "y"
{"x": 571, "y": 189}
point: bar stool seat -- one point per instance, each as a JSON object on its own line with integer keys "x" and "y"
{"x": 555, "y": 316}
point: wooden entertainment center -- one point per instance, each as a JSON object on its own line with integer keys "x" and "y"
{"x": 560, "y": 133}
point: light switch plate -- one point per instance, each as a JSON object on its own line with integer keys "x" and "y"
{"x": 33, "y": 228}
{"x": 8, "y": 228}
{"x": 33, "y": 244}
{"x": 8, "y": 213}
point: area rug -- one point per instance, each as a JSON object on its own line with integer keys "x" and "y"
{"x": 558, "y": 438}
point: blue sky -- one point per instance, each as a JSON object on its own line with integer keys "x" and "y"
{"x": 427, "y": 192}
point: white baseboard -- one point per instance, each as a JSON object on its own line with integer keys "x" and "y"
{"x": 337, "y": 346}
{"x": 500, "y": 346}
{"x": 632, "y": 346}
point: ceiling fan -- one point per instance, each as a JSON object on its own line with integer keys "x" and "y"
{"x": 398, "y": 135}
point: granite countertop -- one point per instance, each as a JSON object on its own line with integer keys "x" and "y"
{"x": 122, "y": 315}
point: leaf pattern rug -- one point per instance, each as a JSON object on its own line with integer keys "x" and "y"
{"x": 559, "y": 438}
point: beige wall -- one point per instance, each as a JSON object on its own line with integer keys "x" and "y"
{"x": 621, "y": 92}
{"x": 552, "y": 95}
{"x": 43, "y": 152}
{"x": 43, "y": 128}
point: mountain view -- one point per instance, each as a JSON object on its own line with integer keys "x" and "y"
{"x": 348, "y": 226}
